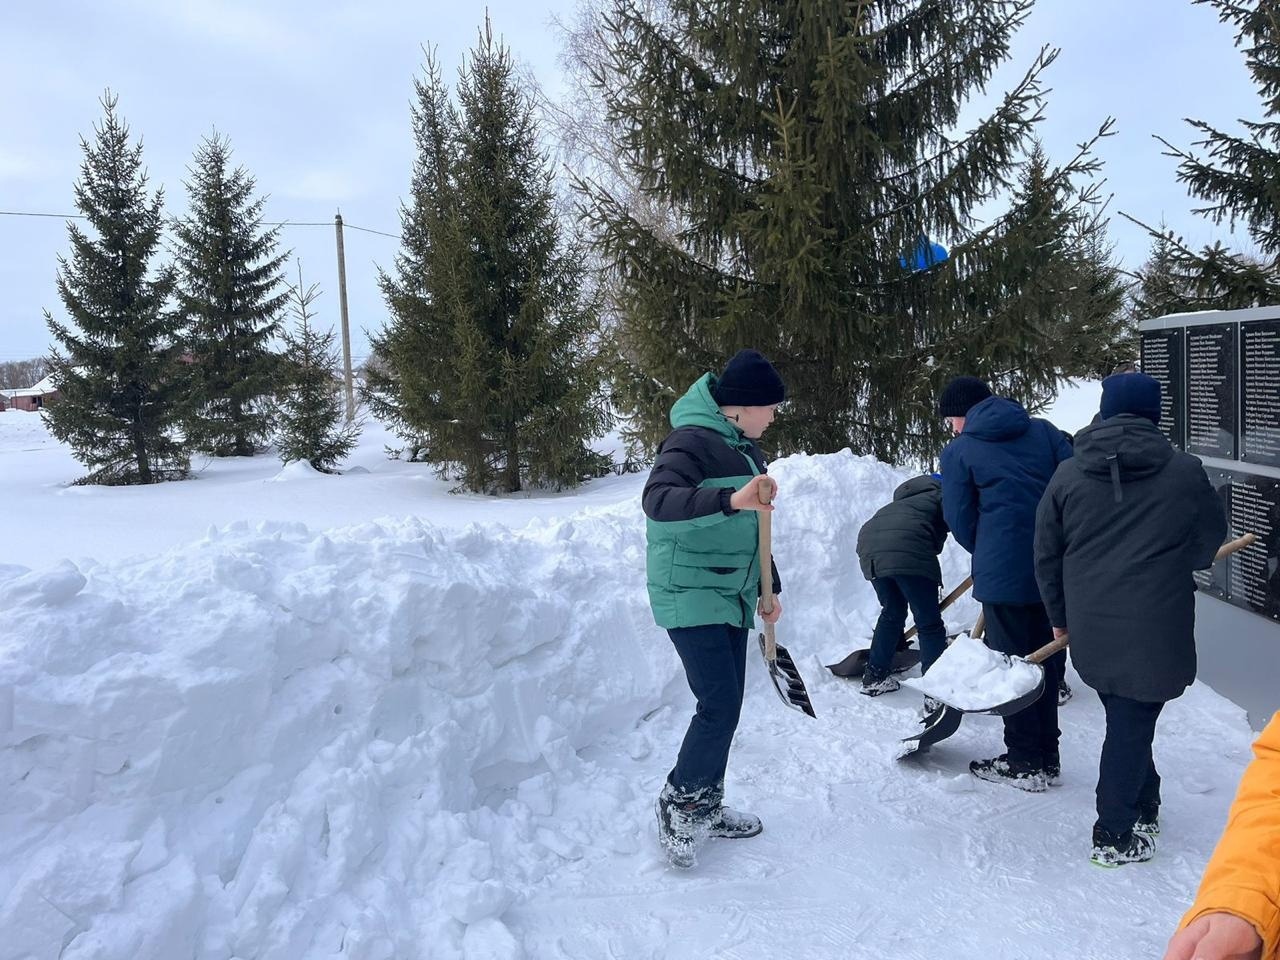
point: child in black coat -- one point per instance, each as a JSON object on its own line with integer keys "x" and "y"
{"x": 898, "y": 550}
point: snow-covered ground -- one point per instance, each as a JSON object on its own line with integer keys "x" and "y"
{"x": 44, "y": 518}
{"x": 312, "y": 733}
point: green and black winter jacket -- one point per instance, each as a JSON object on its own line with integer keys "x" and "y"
{"x": 703, "y": 564}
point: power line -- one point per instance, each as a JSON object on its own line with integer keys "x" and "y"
{"x": 59, "y": 216}
{"x": 393, "y": 236}
{"x": 265, "y": 223}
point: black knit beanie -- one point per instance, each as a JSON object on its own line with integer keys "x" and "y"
{"x": 749, "y": 380}
{"x": 961, "y": 395}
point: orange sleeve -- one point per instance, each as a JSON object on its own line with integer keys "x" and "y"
{"x": 1243, "y": 875}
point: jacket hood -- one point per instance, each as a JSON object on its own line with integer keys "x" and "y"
{"x": 997, "y": 418}
{"x": 697, "y": 409}
{"x": 1123, "y": 448}
{"x": 917, "y": 485}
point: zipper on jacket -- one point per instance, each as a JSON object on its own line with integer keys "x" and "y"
{"x": 1114, "y": 460}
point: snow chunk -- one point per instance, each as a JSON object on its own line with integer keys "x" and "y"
{"x": 296, "y": 470}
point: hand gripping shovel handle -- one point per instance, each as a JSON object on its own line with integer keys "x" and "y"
{"x": 1228, "y": 548}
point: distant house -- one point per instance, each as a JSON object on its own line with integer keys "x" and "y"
{"x": 31, "y": 398}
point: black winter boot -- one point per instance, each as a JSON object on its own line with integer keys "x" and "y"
{"x": 730, "y": 823}
{"x": 1148, "y": 821}
{"x": 1001, "y": 770}
{"x": 1112, "y": 850}
{"x": 875, "y": 682}
{"x": 684, "y": 822}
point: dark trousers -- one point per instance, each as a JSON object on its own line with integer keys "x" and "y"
{"x": 715, "y": 664}
{"x": 896, "y": 594}
{"x": 1031, "y": 734}
{"x": 1128, "y": 785}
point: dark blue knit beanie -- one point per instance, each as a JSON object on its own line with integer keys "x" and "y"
{"x": 961, "y": 395}
{"x": 1136, "y": 393}
{"x": 749, "y": 380}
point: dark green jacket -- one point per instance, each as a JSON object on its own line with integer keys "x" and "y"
{"x": 703, "y": 566}
{"x": 904, "y": 538}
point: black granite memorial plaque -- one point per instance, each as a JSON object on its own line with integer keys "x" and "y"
{"x": 1162, "y": 358}
{"x": 1260, "y": 392}
{"x": 1254, "y": 573}
{"x": 1216, "y": 581}
{"x": 1211, "y": 390}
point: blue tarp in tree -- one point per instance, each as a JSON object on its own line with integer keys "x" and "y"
{"x": 925, "y": 255}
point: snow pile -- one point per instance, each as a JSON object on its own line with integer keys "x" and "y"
{"x": 369, "y": 743}
{"x": 276, "y": 743}
{"x": 971, "y": 676}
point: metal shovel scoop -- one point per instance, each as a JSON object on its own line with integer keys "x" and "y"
{"x": 782, "y": 669}
{"x": 945, "y": 720}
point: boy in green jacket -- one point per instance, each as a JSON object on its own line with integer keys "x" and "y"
{"x": 702, "y": 499}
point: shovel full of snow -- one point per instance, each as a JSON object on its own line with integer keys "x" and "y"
{"x": 976, "y": 679}
{"x": 782, "y": 669}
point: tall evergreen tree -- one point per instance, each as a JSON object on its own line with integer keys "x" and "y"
{"x": 402, "y": 389}
{"x": 311, "y": 423}
{"x": 230, "y": 291}
{"x": 804, "y": 146}
{"x": 1065, "y": 295}
{"x": 1236, "y": 178}
{"x": 117, "y": 366}
{"x": 492, "y": 366}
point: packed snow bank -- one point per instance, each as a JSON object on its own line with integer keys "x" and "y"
{"x": 367, "y": 743}
{"x": 288, "y": 744}
{"x": 971, "y": 676}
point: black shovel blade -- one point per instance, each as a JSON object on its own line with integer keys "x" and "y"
{"x": 855, "y": 664}
{"x": 786, "y": 678}
{"x": 939, "y": 725}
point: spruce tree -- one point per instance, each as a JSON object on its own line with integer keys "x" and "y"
{"x": 229, "y": 290}
{"x": 1065, "y": 295}
{"x": 402, "y": 380}
{"x": 117, "y": 366}
{"x": 311, "y": 422}
{"x": 493, "y": 371}
{"x": 804, "y": 146}
{"x": 1236, "y": 177}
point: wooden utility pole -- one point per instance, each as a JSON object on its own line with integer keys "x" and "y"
{"x": 346, "y": 323}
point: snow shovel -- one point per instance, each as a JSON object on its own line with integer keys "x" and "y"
{"x": 1033, "y": 686}
{"x": 904, "y": 658}
{"x": 782, "y": 669}
{"x": 944, "y": 721}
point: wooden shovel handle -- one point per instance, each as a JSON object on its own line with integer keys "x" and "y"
{"x": 1228, "y": 548}
{"x": 1049, "y": 649}
{"x": 766, "y": 549}
{"x": 765, "y": 518}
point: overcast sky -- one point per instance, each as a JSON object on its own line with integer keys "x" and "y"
{"x": 315, "y": 99}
